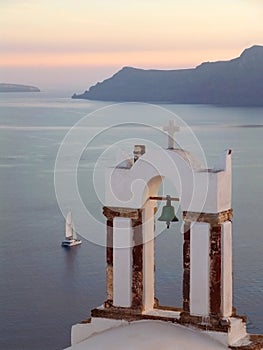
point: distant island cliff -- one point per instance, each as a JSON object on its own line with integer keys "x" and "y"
{"x": 4, "y": 87}
{"x": 237, "y": 82}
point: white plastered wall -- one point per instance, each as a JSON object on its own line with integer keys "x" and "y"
{"x": 122, "y": 261}
{"x": 148, "y": 256}
{"x": 227, "y": 269}
{"x": 199, "y": 269}
{"x": 199, "y": 189}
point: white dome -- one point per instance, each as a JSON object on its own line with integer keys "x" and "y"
{"x": 150, "y": 335}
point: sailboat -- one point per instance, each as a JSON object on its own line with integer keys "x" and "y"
{"x": 70, "y": 233}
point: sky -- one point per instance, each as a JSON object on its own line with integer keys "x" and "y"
{"x": 74, "y": 44}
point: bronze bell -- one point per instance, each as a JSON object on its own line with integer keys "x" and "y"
{"x": 168, "y": 213}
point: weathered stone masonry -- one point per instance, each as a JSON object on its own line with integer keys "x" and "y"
{"x": 215, "y": 254}
{"x": 186, "y": 268}
{"x": 137, "y": 254}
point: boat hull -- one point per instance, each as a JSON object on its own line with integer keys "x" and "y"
{"x": 70, "y": 242}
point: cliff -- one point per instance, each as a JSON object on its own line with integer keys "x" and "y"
{"x": 237, "y": 82}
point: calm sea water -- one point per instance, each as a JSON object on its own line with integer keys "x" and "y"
{"x": 44, "y": 288}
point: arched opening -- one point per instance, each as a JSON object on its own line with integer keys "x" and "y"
{"x": 168, "y": 247}
{"x": 169, "y": 267}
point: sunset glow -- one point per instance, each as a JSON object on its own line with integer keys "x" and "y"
{"x": 159, "y": 59}
{"x": 148, "y": 34}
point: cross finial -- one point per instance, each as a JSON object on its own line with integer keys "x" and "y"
{"x": 171, "y": 129}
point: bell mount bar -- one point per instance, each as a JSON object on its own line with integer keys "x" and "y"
{"x": 162, "y": 198}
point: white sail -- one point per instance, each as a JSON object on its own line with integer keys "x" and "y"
{"x": 69, "y": 230}
{"x": 74, "y": 235}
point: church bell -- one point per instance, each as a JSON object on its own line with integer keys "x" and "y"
{"x": 168, "y": 213}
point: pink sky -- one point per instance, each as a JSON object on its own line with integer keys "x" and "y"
{"x": 58, "y": 43}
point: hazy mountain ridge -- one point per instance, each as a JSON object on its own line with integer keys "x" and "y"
{"x": 237, "y": 82}
{"x": 5, "y": 87}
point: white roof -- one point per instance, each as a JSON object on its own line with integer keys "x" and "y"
{"x": 150, "y": 335}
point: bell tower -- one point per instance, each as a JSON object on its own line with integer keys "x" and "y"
{"x": 131, "y": 194}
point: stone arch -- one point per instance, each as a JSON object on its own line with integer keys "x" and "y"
{"x": 127, "y": 186}
{"x": 152, "y": 186}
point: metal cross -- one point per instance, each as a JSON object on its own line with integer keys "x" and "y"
{"x": 171, "y": 129}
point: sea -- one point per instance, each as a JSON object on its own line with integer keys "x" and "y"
{"x": 53, "y": 155}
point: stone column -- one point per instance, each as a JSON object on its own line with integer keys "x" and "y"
{"x": 124, "y": 254}
{"x": 148, "y": 255}
{"x": 186, "y": 268}
{"x": 207, "y": 262}
{"x": 109, "y": 260}
{"x": 215, "y": 269}
{"x": 227, "y": 269}
{"x": 122, "y": 262}
{"x": 199, "y": 269}
{"x": 137, "y": 264}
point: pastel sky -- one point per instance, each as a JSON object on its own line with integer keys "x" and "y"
{"x": 70, "y": 43}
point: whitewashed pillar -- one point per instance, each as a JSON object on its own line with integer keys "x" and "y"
{"x": 148, "y": 256}
{"x": 207, "y": 284}
{"x": 227, "y": 293}
{"x": 122, "y": 262}
{"x": 199, "y": 269}
{"x": 124, "y": 254}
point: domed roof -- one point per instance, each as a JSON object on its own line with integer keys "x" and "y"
{"x": 152, "y": 335}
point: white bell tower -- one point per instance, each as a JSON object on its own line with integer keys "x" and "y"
{"x": 205, "y": 199}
